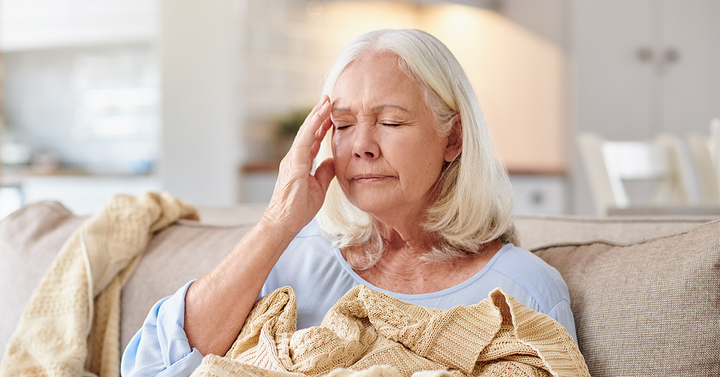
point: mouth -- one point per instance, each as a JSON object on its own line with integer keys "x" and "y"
{"x": 370, "y": 178}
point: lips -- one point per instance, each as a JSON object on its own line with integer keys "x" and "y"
{"x": 369, "y": 178}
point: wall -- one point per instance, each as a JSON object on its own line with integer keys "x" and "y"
{"x": 519, "y": 78}
{"x": 285, "y": 60}
{"x": 2, "y": 99}
{"x": 201, "y": 107}
{"x": 515, "y": 56}
{"x": 41, "y": 24}
{"x": 283, "y": 49}
{"x": 518, "y": 71}
{"x": 228, "y": 69}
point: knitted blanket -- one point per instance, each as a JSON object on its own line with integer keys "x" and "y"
{"x": 70, "y": 326}
{"x": 369, "y": 333}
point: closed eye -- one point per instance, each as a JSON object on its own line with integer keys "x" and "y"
{"x": 390, "y": 124}
{"x": 342, "y": 126}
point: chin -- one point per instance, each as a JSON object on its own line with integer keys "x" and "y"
{"x": 371, "y": 206}
{"x": 380, "y": 209}
{"x": 375, "y": 202}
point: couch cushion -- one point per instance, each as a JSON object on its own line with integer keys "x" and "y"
{"x": 176, "y": 255}
{"x": 241, "y": 214}
{"x": 646, "y": 308}
{"x": 30, "y": 238}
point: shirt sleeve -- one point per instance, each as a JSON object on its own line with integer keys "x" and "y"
{"x": 160, "y": 347}
{"x": 562, "y": 313}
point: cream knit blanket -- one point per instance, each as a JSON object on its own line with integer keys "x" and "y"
{"x": 368, "y": 333}
{"x": 70, "y": 326}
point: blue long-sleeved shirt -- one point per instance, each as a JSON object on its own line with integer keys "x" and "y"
{"x": 320, "y": 276}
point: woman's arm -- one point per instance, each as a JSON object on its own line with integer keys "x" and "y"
{"x": 160, "y": 347}
{"x": 217, "y": 305}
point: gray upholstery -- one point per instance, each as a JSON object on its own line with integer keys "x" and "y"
{"x": 648, "y": 307}
{"x": 643, "y": 305}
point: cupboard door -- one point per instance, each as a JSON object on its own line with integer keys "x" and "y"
{"x": 690, "y": 65}
{"x": 615, "y": 81}
{"x": 647, "y": 66}
{"x": 644, "y": 67}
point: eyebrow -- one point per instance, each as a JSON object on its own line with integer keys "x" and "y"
{"x": 382, "y": 107}
{"x": 375, "y": 108}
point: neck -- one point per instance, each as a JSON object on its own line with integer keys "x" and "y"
{"x": 410, "y": 237}
{"x": 402, "y": 271}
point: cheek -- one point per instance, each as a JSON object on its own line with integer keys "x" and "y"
{"x": 340, "y": 154}
{"x": 427, "y": 162}
{"x": 340, "y": 147}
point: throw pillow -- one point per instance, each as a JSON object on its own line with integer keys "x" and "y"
{"x": 650, "y": 307}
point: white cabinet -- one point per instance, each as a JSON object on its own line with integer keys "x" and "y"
{"x": 644, "y": 67}
{"x": 690, "y": 87}
{"x": 647, "y": 66}
{"x": 84, "y": 195}
{"x": 539, "y": 194}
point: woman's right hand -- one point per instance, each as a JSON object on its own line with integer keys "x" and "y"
{"x": 299, "y": 194}
{"x": 230, "y": 289}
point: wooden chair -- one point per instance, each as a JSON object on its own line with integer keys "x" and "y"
{"x": 609, "y": 163}
{"x": 704, "y": 152}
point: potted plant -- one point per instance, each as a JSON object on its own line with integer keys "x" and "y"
{"x": 286, "y": 129}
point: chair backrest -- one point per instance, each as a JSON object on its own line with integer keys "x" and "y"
{"x": 702, "y": 156}
{"x": 703, "y": 150}
{"x": 609, "y": 163}
{"x": 715, "y": 149}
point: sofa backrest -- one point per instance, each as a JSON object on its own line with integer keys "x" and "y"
{"x": 30, "y": 238}
{"x": 540, "y": 231}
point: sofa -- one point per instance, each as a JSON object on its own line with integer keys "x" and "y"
{"x": 645, "y": 291}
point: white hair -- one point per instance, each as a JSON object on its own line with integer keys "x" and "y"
{"x": 474, "y": 204}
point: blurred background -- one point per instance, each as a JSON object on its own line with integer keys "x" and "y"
{"x": 196, "y": 97}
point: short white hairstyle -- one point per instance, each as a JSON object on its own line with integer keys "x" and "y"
{"x": 474, "y": 196}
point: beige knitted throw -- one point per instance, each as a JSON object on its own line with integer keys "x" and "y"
{"x": 368, "y": 333}
{"x": 70, "y": 326}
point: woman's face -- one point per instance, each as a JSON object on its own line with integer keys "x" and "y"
{"x": 387, "y": 150}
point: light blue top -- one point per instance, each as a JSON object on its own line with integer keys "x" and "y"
{"x": 320, "y": 276}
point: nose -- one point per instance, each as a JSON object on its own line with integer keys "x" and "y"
{"x": 365, "y": 143}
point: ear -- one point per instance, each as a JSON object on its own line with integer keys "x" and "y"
{"x": 454, "y": 145}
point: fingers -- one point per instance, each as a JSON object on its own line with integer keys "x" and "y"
{"x": 319, "y": 136}
{"x": 314, "y": 129}
{"x": 318, "y": 114}
{"x": 298, "y": 192}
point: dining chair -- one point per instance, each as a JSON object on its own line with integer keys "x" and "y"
{"x": 714, "y": 147}
{"x": 703, "y": 150}
{"x": 609, "y": 164}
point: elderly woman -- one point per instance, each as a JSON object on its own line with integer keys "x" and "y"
{"x": 420, "y": 208}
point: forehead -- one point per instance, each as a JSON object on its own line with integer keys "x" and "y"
{"x": 376, "y": 80}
